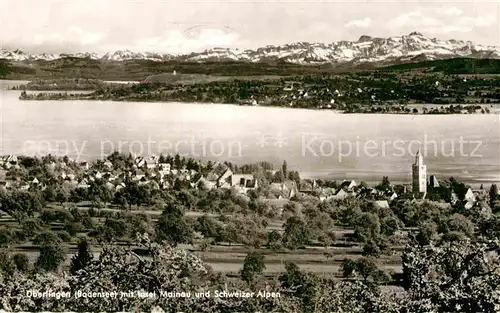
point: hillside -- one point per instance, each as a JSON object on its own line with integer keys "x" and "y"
{"x": 452, "y": 66}
{"x": 138, "y": 70}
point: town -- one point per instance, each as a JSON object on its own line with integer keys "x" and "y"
{"x": 67, "y": 178}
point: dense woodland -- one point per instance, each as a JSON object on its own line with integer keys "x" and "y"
{"x": 449, "y": 253}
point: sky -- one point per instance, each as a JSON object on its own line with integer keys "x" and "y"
{"x": 183, "y": 26}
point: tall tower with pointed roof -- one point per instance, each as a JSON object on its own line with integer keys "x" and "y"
{"x": 419, "y": 175}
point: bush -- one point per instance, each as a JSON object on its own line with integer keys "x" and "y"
{"x": 88, "y": 223}
{"x": 5, "y": 236}
{"x": 77, "y": 216}
{"x": 30, "y": 227}
{"x": 371, "y": 249}
{"x": 72, "y": 228}
{"x": 19, "y": 236}
{"x": 64, "y": 236}
{"x": 116, "y": 227}
{"x": 51, "y": 256}
{"x": 21, "y": 261}
{"x": 63, "y": 216}
{"x": 6, "y": 263}
{"x": 92, "y": 212}
{"x": 47, "y": 238}
{"x": 48, "y": 216}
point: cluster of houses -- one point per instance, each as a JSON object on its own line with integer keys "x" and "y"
{"x": 468, "y": 198}
{"x": 221, "y": 176}
{"x": 149, "y": 170}
{"x": 145, "y": 171}
{"x": 81, "y": 174}
{"x": 346, "y": 189}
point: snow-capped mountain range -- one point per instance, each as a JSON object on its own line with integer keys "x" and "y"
{"x": 413, "y": 46}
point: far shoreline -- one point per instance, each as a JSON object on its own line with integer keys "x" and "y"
{"x": 67, "y": 96}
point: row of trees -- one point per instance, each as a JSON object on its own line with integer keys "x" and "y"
{"x": 451, "y": 278}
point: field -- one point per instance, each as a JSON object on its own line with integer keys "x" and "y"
{"x": 184, "y": 79}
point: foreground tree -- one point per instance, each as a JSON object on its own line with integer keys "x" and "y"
{"x": 455, "y": 277}
{"x": 82, "y": 258}
{"x": 493, "y": 194}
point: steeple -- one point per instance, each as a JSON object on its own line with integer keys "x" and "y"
{"x": 419, "y": 159}
{"x": 419, "y": 175}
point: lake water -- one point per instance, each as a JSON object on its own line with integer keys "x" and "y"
{"x": 316, "y": 143}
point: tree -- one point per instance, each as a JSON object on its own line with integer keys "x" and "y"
{"x": 385, "y": 184}
{"x": 274, "y": 240}
{"x": 454, "y": 277}
{"x": 493, "y": 193}
{"x": 389, "y": 226}
{"x": 173, "y": 227}
{"x": 366, "y": 267}
{"x": 20, "y": 203}
{"x": 253, "y": 266}
{"x": 371, "y": 249}
{"x": 348, "y": 268}
{"x": 284, "y": 170}
{"x": 82, "y": 258}
{"x": 296, "y": 233}
{"x": 98, "y": 192}
{"x": 208, "y": 226}
{"x": 426, "y": 233}
{"x": 460, "y": 223}
{"x": 62, "y": 194}
{"x": 51, "y": 256}
{"x": 367, "y": 227}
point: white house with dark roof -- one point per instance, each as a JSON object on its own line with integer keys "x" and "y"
{"x": 433, "y": 182}
{"x": 348, "y": 185}
{"x": 341, "y": 194}
{"x": 381, "y": 204}
{"x": 83, "y": 184}
{"x": 287, "y": 188}
{"x": 151, "y": 162}
{"x": 469, "y": 196}
{"x": 243, "y": 182}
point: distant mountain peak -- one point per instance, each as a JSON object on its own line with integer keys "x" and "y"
{"x": 364, "y": 38}
{"x": 414, "y": 33}
{"x": 366, "y": 49}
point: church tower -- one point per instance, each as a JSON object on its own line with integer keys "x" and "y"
{"x": 419, "y": 175}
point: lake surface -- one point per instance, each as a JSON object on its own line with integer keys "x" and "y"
{"x": 316, "y": 143}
